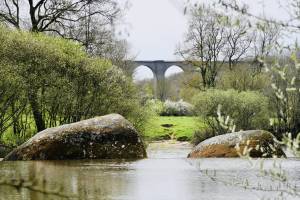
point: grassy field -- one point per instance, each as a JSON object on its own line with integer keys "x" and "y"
{"x": 180, "y": 128}
{"x": 158, "y": 128}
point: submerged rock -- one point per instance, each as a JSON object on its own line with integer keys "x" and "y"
{"x": 259, "y": 143}
{"x": 106, "y": 137}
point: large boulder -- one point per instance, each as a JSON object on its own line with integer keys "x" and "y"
{"x": 106, "y": 137}
{"x": 257, "y": 142}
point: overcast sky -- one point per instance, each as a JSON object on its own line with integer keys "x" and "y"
{"x": 156, "y": 27}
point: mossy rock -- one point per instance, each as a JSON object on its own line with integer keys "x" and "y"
{"x": 106, "y": 137}
{"x": 259, "y": 143}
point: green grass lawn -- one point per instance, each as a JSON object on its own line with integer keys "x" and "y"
{"x": 180, "y": 128}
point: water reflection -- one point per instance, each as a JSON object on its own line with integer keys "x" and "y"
{"x": 167, "y": 174}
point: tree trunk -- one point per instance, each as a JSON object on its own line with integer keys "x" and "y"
{"x": 203, "y": 75}
{"x": 37, "y": 114}
{"x": 15, "y": 120}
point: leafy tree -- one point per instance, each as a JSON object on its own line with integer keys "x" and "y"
{"x": 244, "y": 78}
{"x": 90, "y": 22}
{"x": 57, "y": 82}
{"x": 58, "y": 16}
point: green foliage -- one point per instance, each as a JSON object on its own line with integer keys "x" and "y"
{"x": 243, "y": 78}
{"x": 156, "y": 106}
{"x": 50, "y": 81}
{"x": 201, "y": 135}
{"x": 249, "y": 110}
{"x": 172, "y": 127}
{"x": 285, "y": 95}
{"x": 191, "y": 86}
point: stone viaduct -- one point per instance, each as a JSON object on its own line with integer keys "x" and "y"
{"x": 159, "y": 68}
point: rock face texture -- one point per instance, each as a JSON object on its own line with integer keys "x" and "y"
{"x": 106, "y": 137}
{"x": 257, "y": 142}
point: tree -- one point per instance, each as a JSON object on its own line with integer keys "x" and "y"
{"x": 266, "y": 38}
{"x": 238, "y": 40}
{"x": 12, "y": 103}
{"x": 285, "y": 72}
{"x": 291, "y": 6}
{"x": 205, "y": 43}
{"x": 53, "y": 81}
{"x": 286, "y": 95}
{"x": 57, "y": 16}
{"x": 86, "y": 21}
{"x": 90, "y": 22}
{"x": 103, "y": 43}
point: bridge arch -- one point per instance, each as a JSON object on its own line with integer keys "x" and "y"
{"x": 159, "y": 69}
{"x": 145, "y": 78}
{"x": 173, "y": 82}
{"x": 173, "y": 70}
{"x": 143, "y": 72}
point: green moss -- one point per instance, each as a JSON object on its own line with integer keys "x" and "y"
{"x": 181, "y": 128}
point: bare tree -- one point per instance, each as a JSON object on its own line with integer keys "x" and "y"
{"x": 238, "y": 41}
{"x": 10, "y": 12}
{"x": 204, "y": 43}
{"x": 57, "y": 16}
{"x": 87, "y": 21}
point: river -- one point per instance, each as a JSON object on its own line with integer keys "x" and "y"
{"x": 166, "y": 175}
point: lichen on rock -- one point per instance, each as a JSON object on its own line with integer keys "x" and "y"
{"x": 106, "y": 137}
{"x": 259, "y": 143}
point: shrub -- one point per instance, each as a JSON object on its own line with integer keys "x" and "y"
{"x": 51, "y": 81}
{"x": 249, "y": 110}
{"x": 155, "y": 106}
{"x": 243, "y": 78}
{"x": 201, "y": 135}
{"x": 285, "y": 96}
{"x": 179, "y": 108}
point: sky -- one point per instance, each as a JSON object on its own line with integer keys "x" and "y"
{"x": 156, "y": 27}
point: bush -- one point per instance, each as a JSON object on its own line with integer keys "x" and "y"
{"x": 243, "y": 78}
{"x": 48, "y": 81}
{"x": 201, "y": 135}
{"x": 155, "y": 106}
{"x": 179, "y": 108}
{"x": 285, "y": 96}
{"x": 249, "y": 110}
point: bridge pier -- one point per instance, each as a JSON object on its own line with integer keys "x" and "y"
{"x": 159, "y": 68}
{"x": 160, "y": 90}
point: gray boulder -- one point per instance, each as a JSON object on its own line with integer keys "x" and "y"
{"x": 260, "y": 144}
{"x": 106, "y": 137}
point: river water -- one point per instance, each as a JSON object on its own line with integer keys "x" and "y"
{"x": 166, "y": 175}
